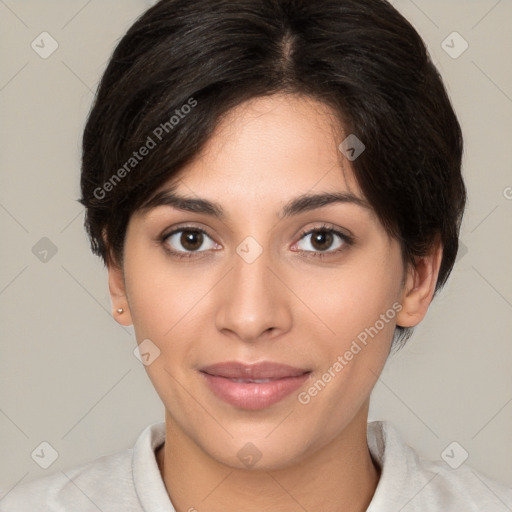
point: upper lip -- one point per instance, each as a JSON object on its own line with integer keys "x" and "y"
{"x": 261, "y": 370}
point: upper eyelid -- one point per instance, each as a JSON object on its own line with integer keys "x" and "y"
{"x": 173, "y": 231}
{"x": 303, "y": 232}
{"x": 326, "y": 227}
{"x": 346, "y": 237}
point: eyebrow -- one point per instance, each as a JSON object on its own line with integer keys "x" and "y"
{"x": 296, "y": 206}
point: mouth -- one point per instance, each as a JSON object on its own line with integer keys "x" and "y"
{"x": 253, "y": 386}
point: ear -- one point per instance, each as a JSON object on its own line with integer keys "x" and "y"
{"x": 419, "y": 287}
{"x": 117, "y": 288}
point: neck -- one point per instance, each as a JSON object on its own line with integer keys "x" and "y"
{"x": 340, "y": 476}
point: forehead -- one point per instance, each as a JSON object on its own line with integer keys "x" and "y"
{"x": 270, "y": 145}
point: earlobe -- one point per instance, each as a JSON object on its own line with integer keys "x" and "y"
{"x": 419, "y": 288}
{"x": 118, "y": 297}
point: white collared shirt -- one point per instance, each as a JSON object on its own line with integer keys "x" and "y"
{"x": 130, "y": 481}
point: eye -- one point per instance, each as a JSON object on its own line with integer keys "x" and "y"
{"x": 323, "y": 239}
{"x": 184, "y": 242}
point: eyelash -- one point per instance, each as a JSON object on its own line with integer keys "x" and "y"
{"x": 347, "y": 241}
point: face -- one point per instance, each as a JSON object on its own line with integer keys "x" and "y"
{"x": 262, "y": 277}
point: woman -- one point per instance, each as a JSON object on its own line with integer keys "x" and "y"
{"x": 275, "y": 187}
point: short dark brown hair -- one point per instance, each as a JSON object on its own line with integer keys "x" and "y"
{"x": 185, "y": 63}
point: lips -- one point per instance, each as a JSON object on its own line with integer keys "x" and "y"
{"x": 253, "y": 386}
{"x": 264, "y": 371}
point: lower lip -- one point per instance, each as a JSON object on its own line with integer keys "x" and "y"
{"x": 253, "y": 395}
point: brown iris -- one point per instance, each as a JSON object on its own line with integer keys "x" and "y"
{"x": 191, "y": 240}
{"x": 321, "y": 240}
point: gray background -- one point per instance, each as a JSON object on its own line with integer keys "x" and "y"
{"x": 68, "y": 375}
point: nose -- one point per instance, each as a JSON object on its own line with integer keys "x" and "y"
{"x": 253, "y": 301}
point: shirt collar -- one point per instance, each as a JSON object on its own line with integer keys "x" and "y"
{"x": 384, "y": 442}
{"x": 149, "y": 486}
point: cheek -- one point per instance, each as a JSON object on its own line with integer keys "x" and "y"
{"x": 351, "y": 299}
{"x": 155, "y": 294}
{"x": 169, "y": 306}
{"x": 162, "y": 309}
{"x": 357, "y": 306}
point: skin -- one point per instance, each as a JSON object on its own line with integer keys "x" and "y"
{"x": 286, "y": 306}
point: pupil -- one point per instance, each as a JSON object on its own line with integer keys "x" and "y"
{"x": 191, "y": 240}
{"x": 322, "y": 240}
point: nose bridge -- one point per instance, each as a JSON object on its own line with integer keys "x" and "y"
{"x": 253, "y": 299}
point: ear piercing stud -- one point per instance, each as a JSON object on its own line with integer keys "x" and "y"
{"x": 120, "y": 311}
